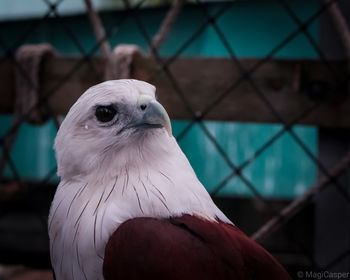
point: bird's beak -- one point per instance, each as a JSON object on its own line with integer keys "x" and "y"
{"x": 154, "y": 113}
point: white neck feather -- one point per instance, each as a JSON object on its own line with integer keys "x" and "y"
{"x": 88, "y": 208}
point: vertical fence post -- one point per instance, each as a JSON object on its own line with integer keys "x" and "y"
{"x": 332, "y": 210}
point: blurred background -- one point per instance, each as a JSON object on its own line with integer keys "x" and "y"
{"x": 258, "y": 94}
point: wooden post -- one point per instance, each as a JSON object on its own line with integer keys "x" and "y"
{"x": 332, "y": 210}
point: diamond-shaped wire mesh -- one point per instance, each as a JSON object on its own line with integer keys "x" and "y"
{"x": 230, "y": 170}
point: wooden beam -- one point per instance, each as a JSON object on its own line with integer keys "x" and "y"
{"x": 291, "y": 86}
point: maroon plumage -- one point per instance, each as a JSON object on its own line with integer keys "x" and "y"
{"x": 186, "y": 247}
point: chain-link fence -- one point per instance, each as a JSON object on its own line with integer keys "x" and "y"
{"x": 308, "y": 229}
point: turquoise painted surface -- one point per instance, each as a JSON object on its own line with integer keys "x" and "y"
{"x": 282, "y": 170}
{"x": 252, "y": 28}
{"x": 32, "y": 152}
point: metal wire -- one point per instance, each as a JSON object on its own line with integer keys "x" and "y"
{"x": 245, "y": 75}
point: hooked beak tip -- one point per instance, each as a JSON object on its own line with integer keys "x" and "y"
{"x": 154, "y": 113}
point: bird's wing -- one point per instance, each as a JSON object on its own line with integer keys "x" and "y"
{"x": 186, "y": 247}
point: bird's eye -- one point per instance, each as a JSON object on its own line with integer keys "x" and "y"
{"x": 105, "y": 113}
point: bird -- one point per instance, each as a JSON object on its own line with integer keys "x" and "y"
{"x": 130, "y": 206}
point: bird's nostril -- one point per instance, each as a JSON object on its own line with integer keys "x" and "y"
{"x": 143, "y": 107}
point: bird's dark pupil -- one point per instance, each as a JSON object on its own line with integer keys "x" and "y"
{"x": 105, "y": 113}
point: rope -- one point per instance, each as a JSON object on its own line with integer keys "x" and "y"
{"x": 30, "y": 58}
{"x": 27, "y": 85}
{"x": 98, "y": 29}
{"x": 166, "y": 25}
{"x": 340, "y": 25}
{"x": 119, "y": 63}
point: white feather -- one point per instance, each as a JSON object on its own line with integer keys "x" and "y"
{"x": 143, "y": 176}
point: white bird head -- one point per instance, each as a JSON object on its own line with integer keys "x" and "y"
{"x": 110, "y": 119}
{"x": 117, "y": 161}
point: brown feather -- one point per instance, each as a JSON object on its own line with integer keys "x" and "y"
{"x": 184, "y": 248}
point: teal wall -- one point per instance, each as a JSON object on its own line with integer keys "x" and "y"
{"x": 32, "y": 152}
{"x": 253, "y": 28}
